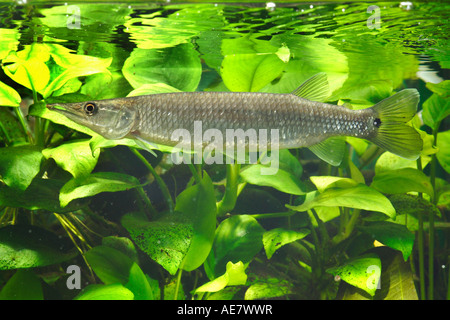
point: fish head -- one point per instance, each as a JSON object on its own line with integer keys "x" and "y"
{"x": 113, "y": 119}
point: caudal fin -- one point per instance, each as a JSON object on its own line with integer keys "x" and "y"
{"x": 393, "y": 134}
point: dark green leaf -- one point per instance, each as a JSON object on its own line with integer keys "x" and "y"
{"x": 23, "y": 285}
{"x": 391, "y": 234}
{"x": 19, "y": 165}
{"x": 402, "y": 181}
{"x": 95, "y": 183}
{"x": 23, "y": 246}
{"x": 112, "y": 266}
{"x": 278, "y": 237}
{"x": 443, "y": 155}
{"x": 166, "y": 240}
{"x": 238, "y": 238}
{"x": 268, "y": 288}
{"x": 198, "y": 203}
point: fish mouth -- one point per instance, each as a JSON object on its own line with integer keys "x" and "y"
{"x": 67, "y": 109}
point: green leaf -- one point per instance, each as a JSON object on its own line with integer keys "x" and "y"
{"x": 233, "y": 276}
{"x": 443, "y": 155}
{"x": 250, "y": 64}
{"x": 24, "y": 246}
{"x": 362, "y": 272}
{"x": 8, "y": 96}
{"x": 402, "y": 181}
{"x": 278, "y": 237}
{"x": 152, "y": 88}
{"x": 391, "y": 234}
{"x": 112, "y": 266}
{"x": 123, "y": 245}
{"x": 166, "y": 240}
{"x": 19, "y": 165}
{"x": 198, "y": 203}
{"x": 435, "y": 109}
{"x": 268, "y": 289}
{"x": 75, "y": 157}
{"x": 326, "y": 182}
{"x": 283, "y": 175}
{"x": 23, "y": 285}
{"x": 358, "y": 197}
{"x": 95, "y": 183}
{"x": 29, "y": 64}
{"x": 178, "y": 67}
{"x": 238, "y": 238}
{"x": 113, "y": 291}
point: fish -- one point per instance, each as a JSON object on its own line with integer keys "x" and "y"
{"x": 301, "y": 118}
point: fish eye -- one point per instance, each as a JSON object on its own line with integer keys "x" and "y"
{"x": 90, "y": 108}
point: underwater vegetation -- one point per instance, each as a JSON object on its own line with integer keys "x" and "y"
{"x": 84, "y": 217}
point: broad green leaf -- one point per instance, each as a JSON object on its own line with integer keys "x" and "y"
{"x": 41, "y": 194}
{"x": 278, "y": 237}
{"x": 123, "y": 245}
{"x": 283, "y": 175}
{"x": 178, "y": 67}
{"x": 29, "y": 65}
{"x": 238, "y": 238}
{"x": 250, "y": 64}
{"x": 402, "y": 181}
{"x": 152, "y": 88}
{"x": 268, "y": 289}
{"x": 326, "y": 182}
{"x": 233, "y": 276}
{"x": 75, "y": 157}
{"x": 443, "y": 156}
{"x": 112, "y": 266}
{"x": 362, "y": 272}
{"x": 437, "y": 107}
{"x": 19, "y": 165}
{"x": 166, "y": 240}
{"x": 113, "y": 291}
{"x": 391, "y": 234}
{"x": 358, "y": 197}
{"x": 198, "y": 203}
{"x": 95, "y": 183}
{"x": 442, "y": 88}
{"x": 23, "y": 285}
{"x": 309, "y": 56}
{"x": 24, "y": 246}
{"x": 8, "y": 96}
{"x": 282, "y": 180}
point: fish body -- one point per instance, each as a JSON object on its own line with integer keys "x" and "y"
{"x": 299, "y": 121}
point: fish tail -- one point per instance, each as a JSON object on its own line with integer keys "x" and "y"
{"x": 393, "y": 134}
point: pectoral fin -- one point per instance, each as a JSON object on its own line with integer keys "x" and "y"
{"x": 331, "y": 150}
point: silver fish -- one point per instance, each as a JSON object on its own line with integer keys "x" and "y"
{"x": 301, "y": 119}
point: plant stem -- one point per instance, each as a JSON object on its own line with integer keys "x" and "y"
{"x": 23, "y": 123}
{"x": 231, "y": 190}
{"x": 420, "y": 240}
{"x": 431, "y": 218}
{"x": 177, "y": 287}
{"x": 322, "y": 229}
{"x": 165, "y": 191}
{"x": 195, "y": 173}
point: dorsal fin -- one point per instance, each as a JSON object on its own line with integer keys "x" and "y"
{"x": 315, "y": 88}
{"x": 331, "y": 150}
